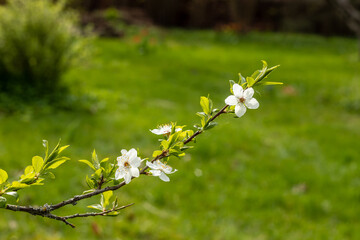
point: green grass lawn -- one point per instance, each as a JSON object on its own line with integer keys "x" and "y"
{"x": 289, "y": 170}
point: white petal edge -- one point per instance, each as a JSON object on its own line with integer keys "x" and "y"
{"x": 238, "y": 90}
{"x": 151, "y": 165}
{"x": 119, "y": 174}
{"x": 167, "y": 169}
{"x": 248, "y": 93}
{"x": 123, "y": 151}
{"x": 135, "y": 162}
{"x": 240, "y": 110}
{"x": 155, "y": 173}
{"x": 231, "y": 100}
{"x": 252, "y": 103}
{"x": 127, "y": 177}
{"x": 164, "y": 177}
{"x": 156, "y": 131}
{"x": 132, "y": 153}
{"x": 134, "y": 172}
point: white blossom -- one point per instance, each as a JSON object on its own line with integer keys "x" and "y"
{"x": 160, "y": 170}
{"x": 242, "y": 99}
{"x": 128, "y": 164}
{"x": 164, "y": 129}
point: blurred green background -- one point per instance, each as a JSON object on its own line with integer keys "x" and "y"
{"x": 289, "y": 170}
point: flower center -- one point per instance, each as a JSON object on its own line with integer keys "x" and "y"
{"x": 242, "y": 99}
{"x": 126, "y": 164}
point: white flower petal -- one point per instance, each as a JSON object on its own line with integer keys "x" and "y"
{"x": 155, "y": 172}
{"x": 231, "y": 100}
{"x": 134, "y": 172}
{"x": 248, "y": 93}
{"x": 151, "y": 165}
{"x": 252, "y": 103}
{"x": 119, "y": 174}
{"x": 240, "y": 110}
{"x": 132, "y": 153}
{"x": 123, "y": 151}
{"x": 120, "y": 160}
{"x": 127, "y": 177}
{"x": 164, "y": 177}
{"x": 156, "y": 131}
{"x": 238, "y": 90}
{"x": 135, "y": 162}
{"x": 167, "y": 169}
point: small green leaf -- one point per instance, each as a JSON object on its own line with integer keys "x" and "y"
{"x": 49, "y": 174}
{"x": 242, "y": 80}
{"x": 88, "y": 163}
{"x": 255, "y": 74}
{"x": 39, "y": 181}
{"x": 165, "y": 144}
{"x": 264, "y": 64}
{"x": 88, "y": 191}
{"x": 186, "y": 147}
{"x": 197, "y": 126}
{"x": 156, "y": 153}
{"x": 232, "y": 82}
{"x": 205, "y": 105}
{"x": 96, "y": 206}
{"x": 37, "y": 163}
{"x": 28, "y": 170}
{"x": 112, "y": 214}
{"x": 3, "y": 176}
{"x": 105, "y": 200}
{"x": 14, "y": 195}
{"x": 2, "y": 202}
{"x": 115, "y": 203}
{"x": 265, "y": 72}
{"x": 54, "y": 153}
{"x": 250, "y": 81}
{"x": 17, "y": 185}
{"x": 203, "y": 123}
{"x": 95, "y": 160}
{"x": 97, "y": 173}
{"x": 211, "y": 125}
{"x": 104, "y": 160}
{"x": 56, "y": 164}
{"x": 89, "y": 182}
{"x": 201, "y": 114}
{"x": 269, "y": 83}
{"x": 27, "y": 178}
{"x": 62, "y": 148}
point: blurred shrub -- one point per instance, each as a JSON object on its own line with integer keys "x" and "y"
{"x": 39, "y": 42}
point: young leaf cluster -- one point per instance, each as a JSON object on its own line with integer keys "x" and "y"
{"x": 105, "y": 202}
{"x": 34, "y": 174}
{"x": 257, "y": 78}
{"x": 103, "y": 171}
{"x": 206, "y": 115}
{"x": 173, "y": 142}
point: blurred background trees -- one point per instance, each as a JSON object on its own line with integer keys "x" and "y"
{"x": 310, "y": 16}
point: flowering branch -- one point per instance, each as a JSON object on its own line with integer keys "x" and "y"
{"x": 106, "y": 175}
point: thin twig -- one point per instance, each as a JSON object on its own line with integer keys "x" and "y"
{"x": 93, "y": 214}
